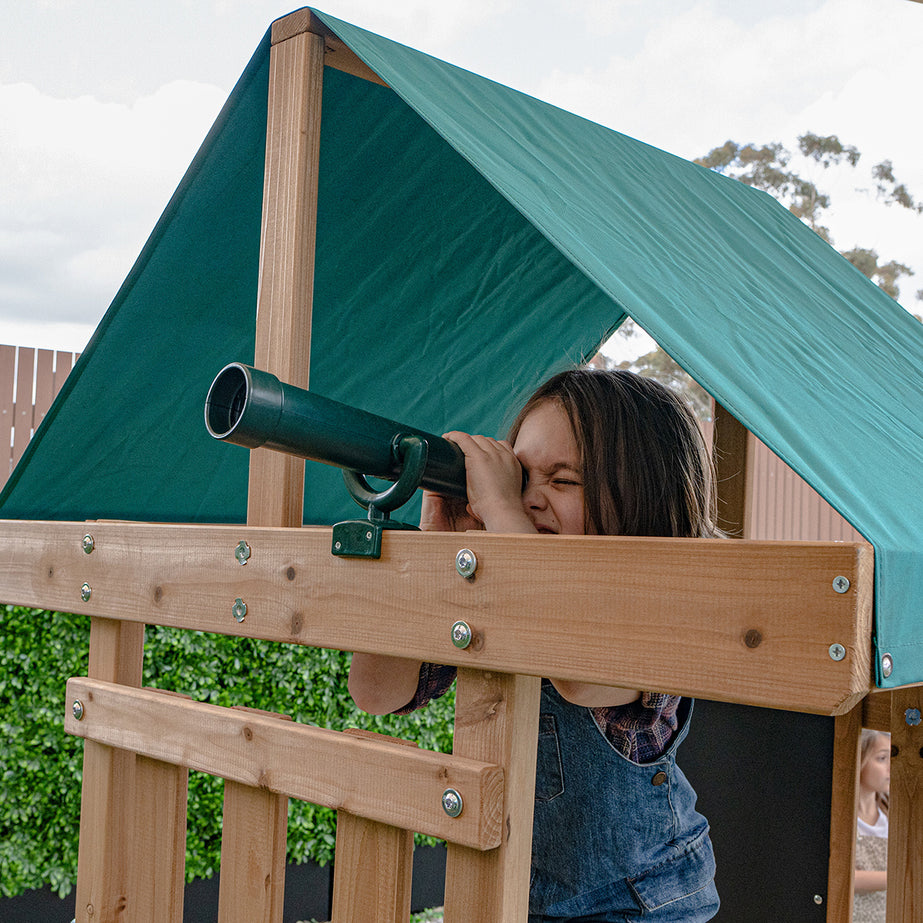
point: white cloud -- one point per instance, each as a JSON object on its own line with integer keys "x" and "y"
{"x": 85, "y": 181}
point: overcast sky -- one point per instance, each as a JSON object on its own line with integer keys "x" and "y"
{"x": 103, "y": 104}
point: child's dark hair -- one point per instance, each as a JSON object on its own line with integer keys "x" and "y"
{"x": 646, "y": 467}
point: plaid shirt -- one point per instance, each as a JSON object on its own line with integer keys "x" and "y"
{"x": 640, "y": 731}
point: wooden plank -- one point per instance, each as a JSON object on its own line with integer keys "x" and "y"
{"x": 749, "y": 622}
{"x": 159, "y": 833}
{"x": 876, "y": 711}
{"x": 845, "y": 784}
{"x": 377, "y": 779}
{"x": 254, "y": 834}
{"x": 106, "y": 849}
{"x": 373, "y": 871}
{"x": 7, "y": 377}
{"x": 44, "y": 385}
{"x": 286, "y": 281}
{"x": 373, "y": 868}
{"x": 905, "y": 821}
{"x": 732, "y": 448}
{"x": 253, "y": 839}
{"x": 336, "y": 53}
{"x": 22, "y": 418}
{"x": 496, "y": 718}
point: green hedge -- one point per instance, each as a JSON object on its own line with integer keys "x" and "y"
{"x": 40, "y": 766}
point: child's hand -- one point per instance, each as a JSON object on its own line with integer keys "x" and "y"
{"x": 494, "y": 483}
{"x": 446, "y": 514}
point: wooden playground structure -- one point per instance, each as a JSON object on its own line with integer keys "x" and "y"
{"x": 777, "y": 624}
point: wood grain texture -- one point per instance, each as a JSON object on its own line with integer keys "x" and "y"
{"x": 377, "y": 779}
{"x": 747, "y": 622}
{"x": 845, "y": 782}
{"x": 905, "y": 821}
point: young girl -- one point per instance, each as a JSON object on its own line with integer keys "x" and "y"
{"x": 616, "y": 836}
{"x": 871, "y": 878}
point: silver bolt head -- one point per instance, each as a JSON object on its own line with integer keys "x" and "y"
{"x": 466, "y": 562}
{"x": 452, "y": 802}
{"x": 88, "y": 544}
{"x": 818, "y": 899}
{"x": 841, "y": 584}
{"x": 239, "y": 609}
{"x": 912, "y": 716}
{"x": 887, "y": 665}
{"x": 242, "y": 552}
{"x": 461, "y": 634}
{"x": 77, "y": 709}
{"x": 86, "y": 592}
{"x": 836, "y": 651}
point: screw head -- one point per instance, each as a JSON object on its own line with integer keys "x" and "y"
{"x": 466, "y": 563}
{"x": 242, "y": 552}
{"x": 461, "y": 634}
{"x": 239, "y": 609}
{"x": 86, "y": 592}
{"x": 887, "y": 665}
{"x": 88, "y": 544}
{"x": 452, "y": 802}
{"x": 841, "y": 584}
{"x": 836, "y": 651}
{"x": 77, "y": 709}
{"x": 818, "y": 899}
{"x": 912, "y": 716}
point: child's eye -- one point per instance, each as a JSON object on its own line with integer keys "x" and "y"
{"x": 566, "y": 482}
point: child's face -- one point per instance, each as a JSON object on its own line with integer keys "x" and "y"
{"x": 876, "y": 772}
{"x": 549, "y": 455}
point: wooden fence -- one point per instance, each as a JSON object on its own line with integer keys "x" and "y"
{"x": 29, "y": 381}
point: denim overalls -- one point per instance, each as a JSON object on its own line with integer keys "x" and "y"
{"x": 614, "y": 841}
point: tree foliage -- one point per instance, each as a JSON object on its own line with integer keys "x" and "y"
{"x": 769, "y": 167}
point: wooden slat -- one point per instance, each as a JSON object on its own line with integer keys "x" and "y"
{"x": 377, "y": 779}
{"x": 845, "y": 783}
{"x": 373, "y": 868}
{"x": 749, "y": 622}
{"x": 7, "y": 377}
{"x": 496, "y": 718}
{"x": 106, "y": 850}
{"x": 22, "y": 422}
{"x": 905, "y": 821}
{"x": 44, "y": 385}
{"x": 286, "y": 281}
{"x": 373, "y": 871}
{"x": 253, "y": 839}
{"x": 159, "y": 832}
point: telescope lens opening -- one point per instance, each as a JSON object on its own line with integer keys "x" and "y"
{"x": 226, "y": 401}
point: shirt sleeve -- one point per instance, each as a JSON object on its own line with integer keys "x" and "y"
{"x": 434, "y": 682}
{"x": 641, "y": 730}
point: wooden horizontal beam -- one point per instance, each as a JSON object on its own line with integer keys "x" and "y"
{"x": 373, "y": 778}
{"x": 758, "y": 623}
{"x": 336, "y": 53}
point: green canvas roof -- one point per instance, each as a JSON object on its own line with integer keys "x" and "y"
{"x": 470, "y": 239}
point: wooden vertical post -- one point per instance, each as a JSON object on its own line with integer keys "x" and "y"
{"x": 286, "y": 283}
{"x": 732, "y": 443}
{"x": 905, "y": 823}
{"x": 373, "y": 868}
{"x": 107, "y": 810}
{"x": 373, "y": 871}
{"x": 847, "y": 730}
{"x": 253, "y": 879}
{"x": 496, "y": 720}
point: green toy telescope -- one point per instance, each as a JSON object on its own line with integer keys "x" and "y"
{"x": 252, "y": 408}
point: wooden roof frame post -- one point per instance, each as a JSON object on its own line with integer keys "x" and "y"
{"x": 276, "y": 482}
